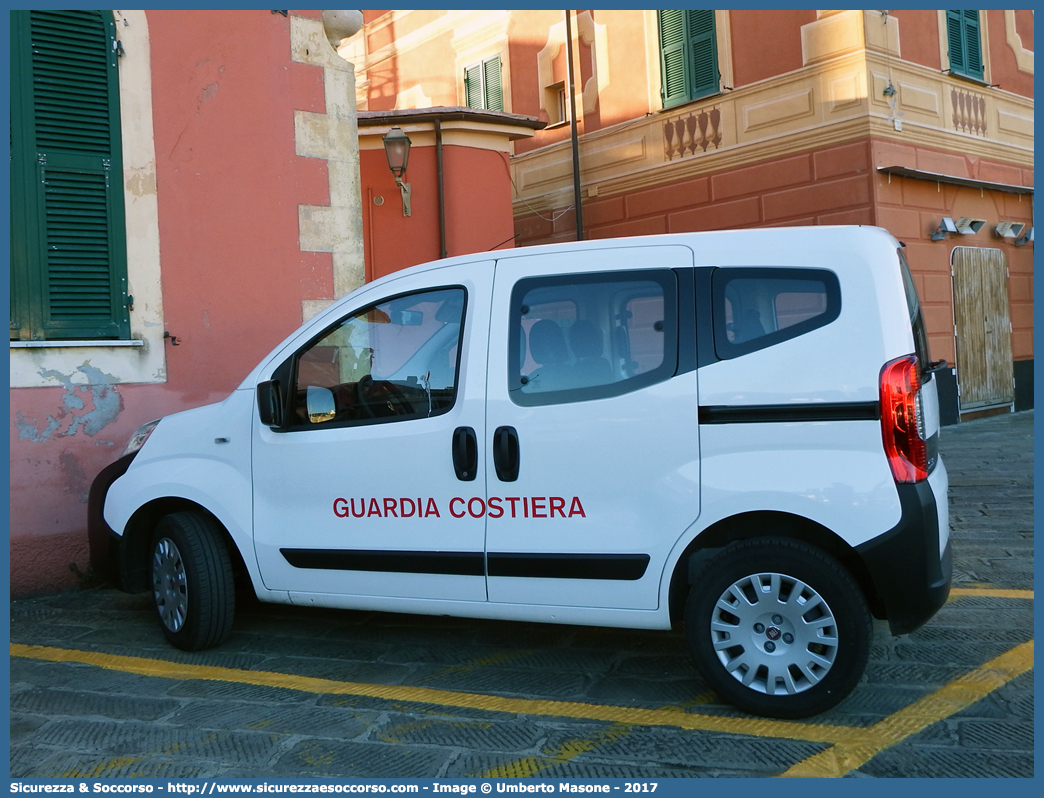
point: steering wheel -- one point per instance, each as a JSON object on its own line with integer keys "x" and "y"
{"x": 388, "y": 395}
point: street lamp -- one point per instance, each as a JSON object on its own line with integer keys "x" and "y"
{"x": 397, "y": 150}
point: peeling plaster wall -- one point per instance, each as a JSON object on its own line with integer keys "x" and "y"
{"x": 100, "y": 394}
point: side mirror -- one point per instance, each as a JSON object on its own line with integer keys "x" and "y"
{"x": 269, "y": 404}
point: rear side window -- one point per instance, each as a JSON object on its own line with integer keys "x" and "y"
{"x": 580, "y": 337}
{"x": 756, "y": 308}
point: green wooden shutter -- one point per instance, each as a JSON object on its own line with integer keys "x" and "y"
{"x": 955, "y": 40}
{"x": 74, "y": 226}
{"x": 964, "y": 42}
{"x": 673, "y": 62}
{"x": 473, "y": 86}
{"x": 972, "y": 43}
{"x": 688, "y": 56}
{"x": 494, "y": 94}
{"x": 21, "y": 176}
{"x": 703, "y": 50}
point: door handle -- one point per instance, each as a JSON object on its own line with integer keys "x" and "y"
{"x": 506, "y": 453}
{"x": 465, "y": 453}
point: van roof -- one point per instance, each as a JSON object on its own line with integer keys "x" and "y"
{"x": 740, "y": 243}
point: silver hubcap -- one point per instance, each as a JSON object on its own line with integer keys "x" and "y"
{"x": 774, "y": 634}
{"x": 169, "y": 584}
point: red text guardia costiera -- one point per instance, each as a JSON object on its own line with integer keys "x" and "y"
{"x": 476, "y": 507}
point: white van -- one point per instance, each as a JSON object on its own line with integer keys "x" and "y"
{"x": 735, "y": 431}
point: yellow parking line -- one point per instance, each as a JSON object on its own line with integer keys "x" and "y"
{"x": 864, "y": 744}
{"x": 632, "y": 716}
{"x": 531, "y": 765}
{"x": 990, "y": 592}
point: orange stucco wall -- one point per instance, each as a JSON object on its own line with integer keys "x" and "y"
{"x": 1004, "y": 69}
{"x": 477, "y": 190}
{"x": 626, "y": 95}
{"x": 233, "y": 277}
{"x": 409, "y": 67}
{"x": 919, "y": 36}
{"x": 766, "y": 43}
{"x": 527, "y": 37}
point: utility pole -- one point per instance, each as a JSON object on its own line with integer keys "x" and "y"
{"x": 572, "y": 122}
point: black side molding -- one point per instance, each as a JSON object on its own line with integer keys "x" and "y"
{"x": 454, "y": 563}
{"x": 623, "y": 567}
{"x": 812, "y": 411}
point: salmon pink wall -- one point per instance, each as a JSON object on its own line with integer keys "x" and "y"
{"x": 919, "y": 36}
{"x": 233, "y": 277}
{"x": 229, "y": 183}
{"x": 478, "y": 201}
{"x": 477, "y": 189}
{"x": 766, "y": 43}
{"x": 1004, "y": 69}
{"x": 394, "y": 241}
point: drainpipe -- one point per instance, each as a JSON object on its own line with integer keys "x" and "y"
{"x": 572, "y": 121}
{"x": 442, "y": 189}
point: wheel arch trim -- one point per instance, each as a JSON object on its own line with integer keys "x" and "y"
{"x": 691, "y": 552}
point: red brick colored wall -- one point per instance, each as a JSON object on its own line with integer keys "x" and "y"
{"x": 831, "y": 185}
{"x": 912, "y": 209}
{"x": 836, "y": 185}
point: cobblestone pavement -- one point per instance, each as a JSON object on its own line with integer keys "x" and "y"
{"x": 96, "y": 692}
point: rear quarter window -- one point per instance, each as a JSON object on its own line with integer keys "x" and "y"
{"x": 760, "y": 307}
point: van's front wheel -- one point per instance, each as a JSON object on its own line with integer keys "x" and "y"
{"x": 778, "y": 627}
{"x": 192, "y": 584}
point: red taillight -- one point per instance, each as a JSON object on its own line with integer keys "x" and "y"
{"x": 902, "y": 420}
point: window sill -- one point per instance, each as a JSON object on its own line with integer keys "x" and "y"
{"x": 969, "y": 79}
{"x": 672, "y": 108}
{"x": 69, "y": 344}
{"x": 41, "y": 364}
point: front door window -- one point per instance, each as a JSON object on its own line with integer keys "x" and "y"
{"x": 392, "y": 361}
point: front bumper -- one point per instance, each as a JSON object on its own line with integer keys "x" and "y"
{"x": 107, "y": 551}
{"x": 910, "y": 575}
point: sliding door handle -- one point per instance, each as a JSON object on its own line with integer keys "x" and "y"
{"x": 465, "y": 453}
{"x": 506, "y": 454}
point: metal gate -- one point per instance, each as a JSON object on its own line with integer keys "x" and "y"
{"x": 982, "y": 326}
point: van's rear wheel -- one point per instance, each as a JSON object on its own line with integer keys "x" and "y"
{"x": 192, "y": 584}
{"x": 778, "y": 627}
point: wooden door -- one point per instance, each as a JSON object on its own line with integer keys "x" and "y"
{"x": 983, "y": 327}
